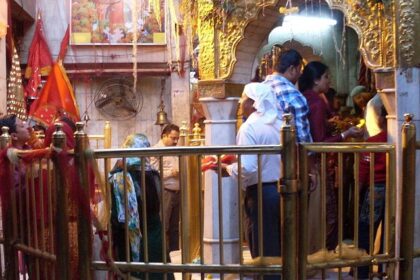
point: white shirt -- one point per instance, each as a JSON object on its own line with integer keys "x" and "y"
{"x": 170, "y": 167}
{"x": 373, "y": 113}
{"x": 255, "y": 132}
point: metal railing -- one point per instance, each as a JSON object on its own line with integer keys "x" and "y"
{"x": 23, "y": 232}
{"x": 409, "y": 147}
{"x": 341, "y": 259}
{"x": 191, "y": 183}
{"x": 28, "y": 205}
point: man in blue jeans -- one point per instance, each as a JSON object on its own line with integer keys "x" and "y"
{"x": 262, "y": 127}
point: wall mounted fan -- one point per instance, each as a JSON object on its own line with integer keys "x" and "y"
{"x": 116, "y": 99}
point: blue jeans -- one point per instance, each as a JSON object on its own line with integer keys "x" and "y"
{"x": 271, "y": 221}
{"x": 364, "y": 222}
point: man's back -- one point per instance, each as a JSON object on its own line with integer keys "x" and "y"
{"x": 290, "y": 100}
{"x": 255, "y": 132}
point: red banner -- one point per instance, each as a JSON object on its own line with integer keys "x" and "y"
{"x": 56, "y": 98}
{"x": 39, "y": 61}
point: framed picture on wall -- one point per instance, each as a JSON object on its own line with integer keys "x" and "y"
{"x": 112, "y": 22}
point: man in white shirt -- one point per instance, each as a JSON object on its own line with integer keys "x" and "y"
{"x": 170, "y": 181}
{"x": 262, "y": 127}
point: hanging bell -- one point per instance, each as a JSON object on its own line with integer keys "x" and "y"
{"x": 161, "y": 117}
{"x": 86, "y": 118}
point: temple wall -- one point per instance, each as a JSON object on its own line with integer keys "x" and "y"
{"x": 143, "y": 122}
{"x": 56, "y": 16}
{"x": 86, "y": 66}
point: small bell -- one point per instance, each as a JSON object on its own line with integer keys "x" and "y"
{"x": 86, "y": 118}
{"x": 161, "y": 117}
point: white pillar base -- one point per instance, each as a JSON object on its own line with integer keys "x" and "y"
{"x": 220, "y": 130}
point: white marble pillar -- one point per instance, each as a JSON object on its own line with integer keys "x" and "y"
{"x": 220, "y": 128}
{"x": 3, "y": 74}
{"x": 408, "y": 101}
{"x": 180, "y": 98}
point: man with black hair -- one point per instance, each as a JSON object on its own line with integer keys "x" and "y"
{"x": 19, "y": 130}
{"x": 289, "y": 100}
{"x": 170, "y": 182}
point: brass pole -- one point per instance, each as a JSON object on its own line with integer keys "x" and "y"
{"x": 62, "y": 219}
{"x": 192, "y": 204}
{"x": 260, "y": 208}
{"x": 126, "y": 230}
{"x": 408, "y": 196}
{"x": 8, "y": 232}
{"x": 183, "y": 134}
{"x": 289, "y": 192}
{"x": 5, "y": 138}
{"x": 84, "y": 226}
{"x": 185, "y": 209}
{"x": 107, "y": 141}
{"x": 240, "y": 211}
{"x": 32, "y": 208}
{"x": 303, "y": 213}
{"x": 220, "y": 212}
{"x": 107, "y": 135}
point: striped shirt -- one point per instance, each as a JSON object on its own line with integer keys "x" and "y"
{"x": 290, "y": 100}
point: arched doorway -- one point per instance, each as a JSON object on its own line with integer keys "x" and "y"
{"x": 336, "y": 46}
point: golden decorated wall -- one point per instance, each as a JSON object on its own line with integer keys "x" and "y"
{"x": 388, "y": 34}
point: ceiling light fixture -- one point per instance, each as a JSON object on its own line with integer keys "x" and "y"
{"x": 307, "y": 21}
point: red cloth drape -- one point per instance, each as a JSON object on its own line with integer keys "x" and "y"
{"x": 39, "y": 61}
{"x": 56, "y": 98}
{"x": 64, "y": 44}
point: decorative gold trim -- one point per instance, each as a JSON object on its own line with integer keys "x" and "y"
{"x": 373, "y": 23}
{"x": 236, "y": 33}
{"x": 222, "y": 27}
{"x": 406, "y": 32}
{"x": 212, "y": 88}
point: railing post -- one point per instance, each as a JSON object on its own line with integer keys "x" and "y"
{"x": 191, "y": 206}
{"x": 84, "y": 225}
{"x": 5, "y": 137}
{"x": 183, "y": 134}
{"x": 9, "y": 254}
{"x": 107, "y": 142}
{"x": 107, "y": 135}
{"x": 289, "y": 193}
{"x": 61, "y": 218}
{"x": 408, "y": 197}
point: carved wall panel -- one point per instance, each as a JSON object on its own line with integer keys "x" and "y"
{"x": 407, "y": 16}
{"x": 222, "y": 25}
{"x": 224, "y": 22}
{"x": 373, "y": 21}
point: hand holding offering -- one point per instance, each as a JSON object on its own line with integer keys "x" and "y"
{"x": 210, "y": 162}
